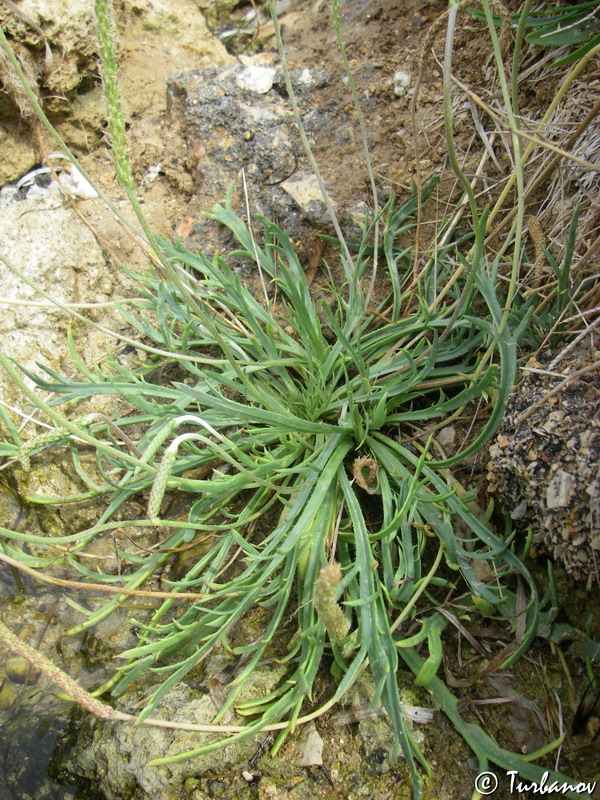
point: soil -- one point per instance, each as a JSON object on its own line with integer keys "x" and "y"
{"x": 384, "y": 40}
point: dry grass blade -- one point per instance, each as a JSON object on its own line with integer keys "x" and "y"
{"x": 98, "y": 587}
{"x": 493, "y": 665}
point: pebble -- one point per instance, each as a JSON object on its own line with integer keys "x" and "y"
{"x": 401, "y": 82}
{"x": 18, "y": 670}
{"x": 7, "y": 695}
{"x": 256, "y": 79}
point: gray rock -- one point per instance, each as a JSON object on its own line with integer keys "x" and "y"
{"x": 239, "y": 119}
{"x": 117, "y": 756}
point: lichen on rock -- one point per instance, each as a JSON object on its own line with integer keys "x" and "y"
{"x": 544, "y": 465}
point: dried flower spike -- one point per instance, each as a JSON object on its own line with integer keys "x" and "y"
{"x": 325, "y": 600}
{"x": 56, "y": 675}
